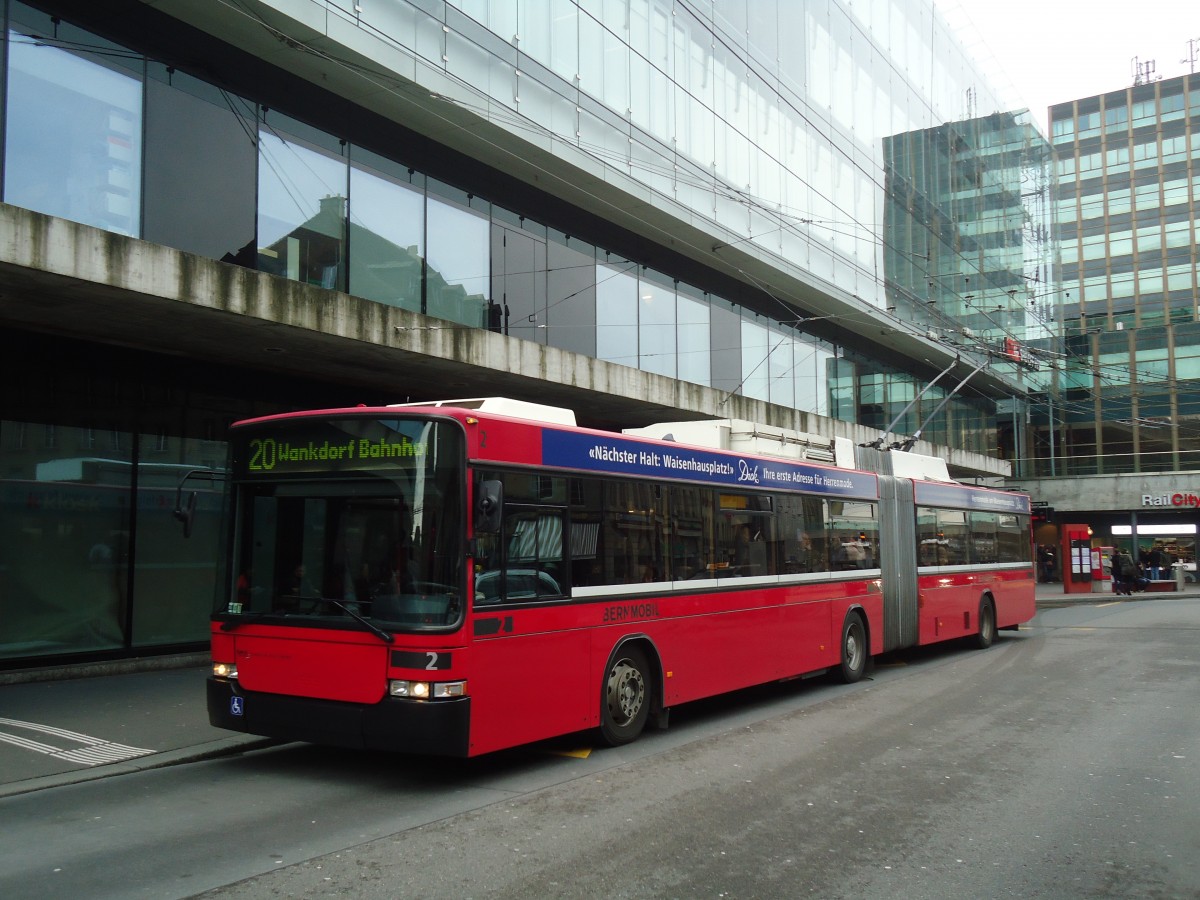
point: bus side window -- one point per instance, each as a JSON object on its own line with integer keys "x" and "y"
{"x": 983, "y": 546}
{"x": 855, "y": 526}
{"x": 809, "y": 549}
{"x": 952, "y": 537}
{"x": 534, "y": 558}
{"x": 689, "y": 532}
{"x": 525, "y": 559}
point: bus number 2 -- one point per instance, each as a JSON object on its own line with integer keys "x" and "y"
{"x": 429, "y": 660}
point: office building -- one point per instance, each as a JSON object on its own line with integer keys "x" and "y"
{"x": 1116, "y": 442}
{"x": 797, "y": 214}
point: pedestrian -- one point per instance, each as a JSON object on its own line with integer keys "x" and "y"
{"x": 1046, "y": 557}
{"x": 1124, "y": 573}
{"x": 1156, "y": 559}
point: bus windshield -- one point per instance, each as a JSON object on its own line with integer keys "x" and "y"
{"x": 358, "y": 520}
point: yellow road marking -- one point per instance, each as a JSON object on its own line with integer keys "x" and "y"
{"x": 581, "y": 753}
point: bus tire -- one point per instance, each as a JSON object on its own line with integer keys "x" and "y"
{"x": 987, "y": 624}
{"x": 625, "y": 696}
{"x": 854, "y": 648}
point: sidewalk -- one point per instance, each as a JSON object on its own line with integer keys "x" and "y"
{"x": 61, "y": 732}
{"x": 67, "y": 731}
{"x": 1053, "y": 593}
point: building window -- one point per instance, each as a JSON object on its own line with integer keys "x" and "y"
{"x": 1174, "y": 149}
{"x": 1116, "y": 118}
{"x": 1063, "y": 130}
{"x": 387, "y": 233}
{"x": 756, "y": 348}
{"x": 782, "y": 368}
{"x": 74, "y": 131}
{"x": 1089, "y": 124}
{"x": 1145, "y": 154}
{"x": 657, "y": 328}
{"x": 693, "y": 340}
{"x": 200, "y": 168}
{"x": 458, "y": 263}
{"x": 1171, "y": 106}
{"x": 301, "y": 211}
{"x": 616, "y": 313}
{"x": 1143, "y": 112}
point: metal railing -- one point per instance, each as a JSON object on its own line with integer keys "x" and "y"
{"x": 1106, "y": 464}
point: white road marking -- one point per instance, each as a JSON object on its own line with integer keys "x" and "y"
{"x": 94, "y": 752}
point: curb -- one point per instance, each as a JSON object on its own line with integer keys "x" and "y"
{"x": 230, "y": 746}
{"x": 113, "y": 667}
{"x": 1108, "y": 597}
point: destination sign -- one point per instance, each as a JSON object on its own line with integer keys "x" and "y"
{"x": 309, "y": 447}
{"x": 617, "y": 455}
{"x": 961, "y": 497}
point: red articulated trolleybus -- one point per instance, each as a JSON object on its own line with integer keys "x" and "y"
{"x": 463, "y": 577}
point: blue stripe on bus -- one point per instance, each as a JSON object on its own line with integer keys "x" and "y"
{"x": 620, "y": 456}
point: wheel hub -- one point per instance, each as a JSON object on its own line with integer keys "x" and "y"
{"x": 852, "y": 648}
{"x": 626, "y": 692}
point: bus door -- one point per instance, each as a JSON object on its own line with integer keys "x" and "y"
{"x": 530, "y": 673}
{"x": 898, "y": 561}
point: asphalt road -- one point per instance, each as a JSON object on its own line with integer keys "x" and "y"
{"x": 1061, "y": 762}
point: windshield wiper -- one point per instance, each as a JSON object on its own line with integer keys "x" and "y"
{"x": 370, "y": 626}
{"x": 246, "y": 618}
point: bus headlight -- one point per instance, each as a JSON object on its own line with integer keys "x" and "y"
{"x": 224, "y": 670}
{"x": 425, "y": 690}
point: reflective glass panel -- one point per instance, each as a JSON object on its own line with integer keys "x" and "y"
{"x": 755, "y": 371}
{"x": 782, "y": 369}
{"x": 387, "y": 238}
{"x": 74, "y": 136}
{"x": 458, "y": 265}
{"x": 301, "y": 212}
{"x": 64, "y": 538}
{"x": 571, "y": 294}
{"x": 656, "y": 328}
{"x": 519, "y": 284}
{"x": 170, "y": 563}
{"x": 726, "y": 336}
{"x": 616, "y": 314}
{"x": 693, "y": 351}
{"x": 200, "y": 168}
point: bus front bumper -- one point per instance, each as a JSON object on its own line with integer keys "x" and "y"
{"x": 440, "y": 727}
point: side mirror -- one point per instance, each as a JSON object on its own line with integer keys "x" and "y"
{"x": 489, "y": 504}
{"x": 185, "y": 510}
{"x": 186, "y": 513}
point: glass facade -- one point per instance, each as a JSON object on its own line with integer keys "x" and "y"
{"x": 1128, "y": 197}
{"x": 200, "y": 167}
{"x": 792, "y": 158}
{"x": 980, "y": 262}
{"x": 852, "y": 151}
{"x": 73, "y": 126}
{"x": 93, "y": 445}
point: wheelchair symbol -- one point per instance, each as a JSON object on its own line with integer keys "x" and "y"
{"x": 236, "y": 706}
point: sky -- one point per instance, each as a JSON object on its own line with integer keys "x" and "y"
{"x": 1057, "y": 50}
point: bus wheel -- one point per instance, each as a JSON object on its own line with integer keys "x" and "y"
{"x": 854, "y": 648}
{"x": 626, "y": 702}
{"x": 987, "y": 625}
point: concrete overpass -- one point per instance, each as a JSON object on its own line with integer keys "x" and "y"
{"x": 76, "y": 281}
